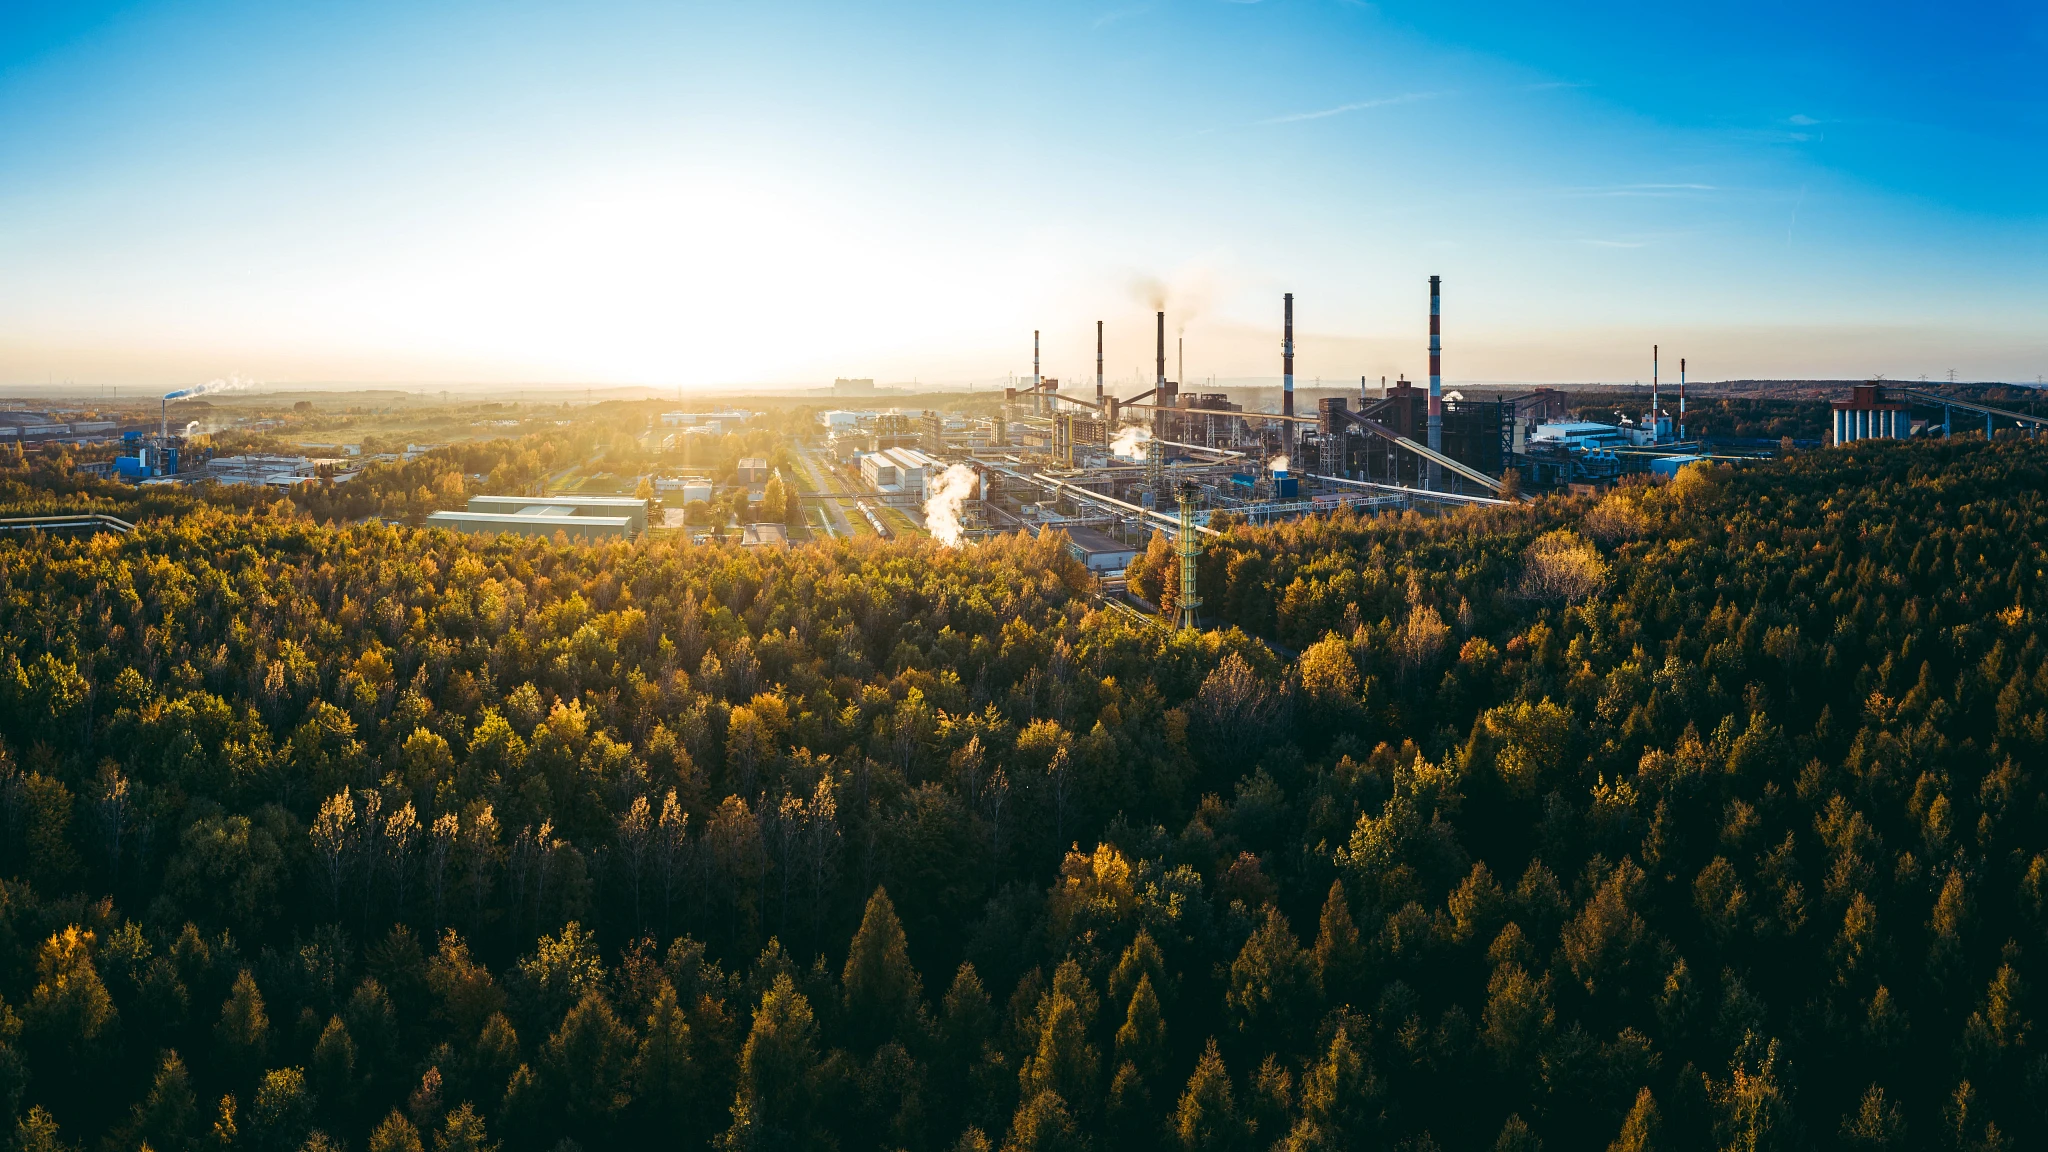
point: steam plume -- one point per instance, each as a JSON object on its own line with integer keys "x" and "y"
{"x": 1277, "y": 463}
{"x": 231, "y": 384}
{"x": 1130, "y": 442}
{"x": 955, "y": 486}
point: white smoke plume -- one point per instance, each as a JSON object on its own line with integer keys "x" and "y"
{"x": 1277, "y": 463}
{"x": 953, "y": 488}
{"x": 231, "y": 384}
{"x": 1130, "y": 442}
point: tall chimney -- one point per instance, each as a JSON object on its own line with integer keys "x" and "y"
{"x": 1098, "y": 363}
{"x": 1436, "y": 373}
{"x": 1037, "y": 397}
{"x": 165, "y": 432}
{"x": 1160, "y": 383}
{"x": 1681, "y": 397}
{"x": 1287, "y": 377}
{"x": 1653, "y": 393}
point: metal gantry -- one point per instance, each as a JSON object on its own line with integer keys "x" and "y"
{"x": 1190, "y": 548}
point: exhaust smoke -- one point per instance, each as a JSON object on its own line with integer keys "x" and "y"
{"x": 950, "y": 492}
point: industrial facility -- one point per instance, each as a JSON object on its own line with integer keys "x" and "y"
{"x": 1110, "y": 470}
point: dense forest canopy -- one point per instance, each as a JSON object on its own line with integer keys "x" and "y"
{"x": 1700, "y": 815}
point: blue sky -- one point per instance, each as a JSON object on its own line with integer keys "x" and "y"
{"x": 713, "y": 194}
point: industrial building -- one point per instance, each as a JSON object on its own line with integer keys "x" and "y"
{"x": 1869, "y": 415}
{"x": 579, "y": 517}
{"x": 899, "y": 474}
{"x": 729, "y": 420}
{"x": 632, "y": 508}
{"x": 261, "y": 471}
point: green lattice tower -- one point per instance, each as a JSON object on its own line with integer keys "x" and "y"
{"x": 1190, "y": 548}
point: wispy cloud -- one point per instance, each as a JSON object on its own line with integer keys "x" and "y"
{"x": 1116, "y": 14}
{"x": 1802, "y": 119}
{"x": 1647, "y": 190}
{"x": 1339, "y": 110}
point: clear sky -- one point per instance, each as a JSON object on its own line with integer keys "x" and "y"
{"x": 776, "y": 192}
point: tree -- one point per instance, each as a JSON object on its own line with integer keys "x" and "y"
{"x": 1876, "y": 1125}
{"x": 70, "y": 1015}
{"x": 1270, "y": 981}
{"x": 243, "y": 1033}
{"x": 1043, "y": 1124}
{"x": 664, "y": 1070}
{"x": 1340, "y": 1100}
{"x": 775, "y": 1105}
{"x": 1207, "y": 1119}
{"x": 464, "y": 1131}
{"x": 1641, "y": 1130}
{"x": 282, "y": 1111}
{"x": 37, "y": 1132}
{"x": 1141, "y": 1041}
{"x": 1339, "y": 957}
{"x": 395, "y": 1134}
{"x": 334, "y": 1068}
{"x": 1064, "y": 1061}
{"x": 884, "y": 996}
{"x": 1561, "y": 565}
{"x": 164, "y": 1119}
{"x": 588, "y": 1064}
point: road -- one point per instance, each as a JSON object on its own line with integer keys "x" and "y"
{"x": 822, "y": 490}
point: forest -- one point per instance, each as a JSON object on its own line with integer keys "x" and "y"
{"x": 1694, "y": 815}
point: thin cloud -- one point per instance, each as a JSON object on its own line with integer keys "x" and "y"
{"x": 1647, "y": 190}
{"x": 1803, "y": 120}
{"x": 1339, "y": 110}
{"x": 1116, "y": 14}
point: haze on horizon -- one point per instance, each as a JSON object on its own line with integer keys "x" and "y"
{"x": 706, "y": 195}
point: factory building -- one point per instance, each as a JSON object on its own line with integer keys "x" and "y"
{"x": 1869, "y": 415}
{"x": 261, "y": 471}
{"x": 537, "y": 520}
{"x": 898, "y": 472}
{"x": 588, "y": 517}
{"x": 1098, "y": 551}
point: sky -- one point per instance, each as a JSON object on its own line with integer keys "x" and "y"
{"x": 777, "y": 193}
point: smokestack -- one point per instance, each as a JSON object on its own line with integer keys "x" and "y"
{"x": 1681, "y": 397}
{"x": 1161, "y": 381}
{"x": 1037, "y": 397}
{"x": 1287, "y": 375}
{"x": 1653, "y": 393}
{"x": 165, "y": 431}
{"x": 1436, "y": 372}
{"x": 1098, "y": 362}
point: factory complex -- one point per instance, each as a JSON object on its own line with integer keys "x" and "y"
{"x": 1110, "y": 470}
